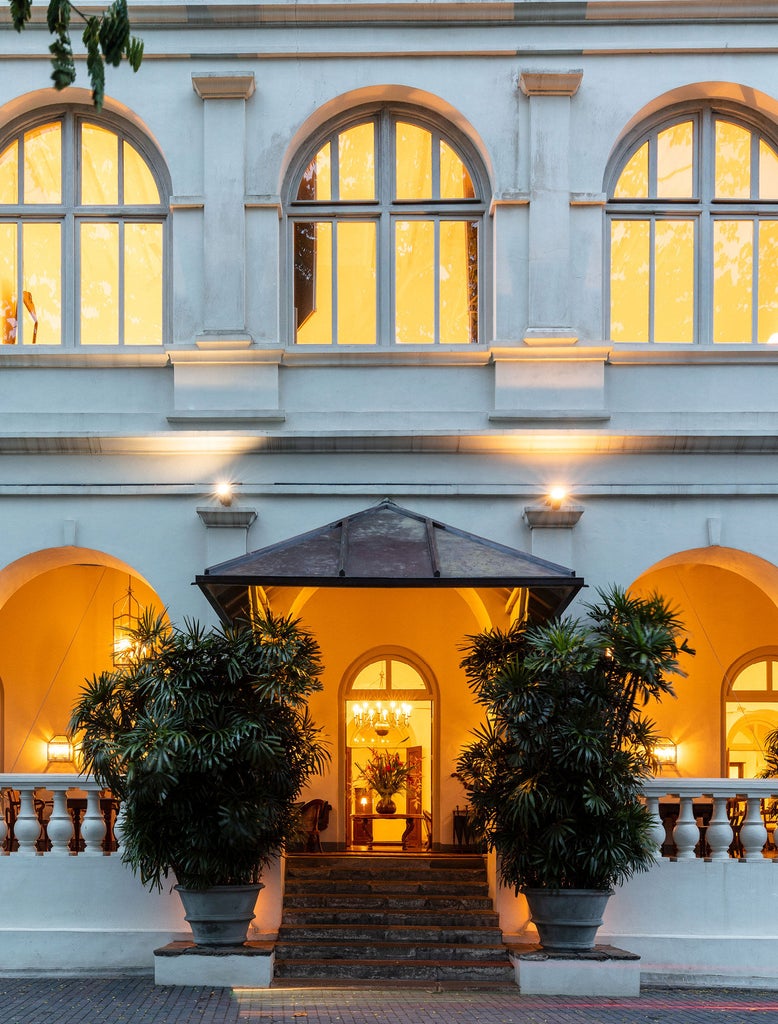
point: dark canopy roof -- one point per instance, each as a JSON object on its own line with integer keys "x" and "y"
{"x": 389, "y": 546}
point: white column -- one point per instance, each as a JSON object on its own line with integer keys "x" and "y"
{"x": 224, "y": 217}
{"x": 549, "y": 314}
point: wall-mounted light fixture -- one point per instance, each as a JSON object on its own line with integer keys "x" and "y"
{"x": 557, "y": 496}
{"x": 224, "y": 493}
{"x": 665, "y": 752}
{"x": 59, "y": 750}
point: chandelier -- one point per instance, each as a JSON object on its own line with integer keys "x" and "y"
{"x": 381, "y": 717}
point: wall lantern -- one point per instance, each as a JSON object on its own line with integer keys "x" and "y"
{"x": 223, "y": 492}
{"x": 59, "y": 750}
{"x": 126, "y": 615}
{"x": 557, "y": 496}
{"x": 665, "y": 752}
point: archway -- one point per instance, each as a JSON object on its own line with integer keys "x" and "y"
{"x": 61, "y": 612}
{"x": 728, "y": 600}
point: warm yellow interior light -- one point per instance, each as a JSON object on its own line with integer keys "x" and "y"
{"x": 665, "y": 751}
{"x": 59, "y": 750}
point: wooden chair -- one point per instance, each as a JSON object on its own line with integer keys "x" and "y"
{"x": 314, "y": 819}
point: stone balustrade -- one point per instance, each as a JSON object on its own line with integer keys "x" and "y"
{"x": 713, "y": 819}
{"x": 56, "y": 816}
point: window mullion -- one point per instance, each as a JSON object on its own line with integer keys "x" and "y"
{"x": 754, "y": 279}
{"x": 335, "y": 280}
{"x": 651, "y": 277}
{"x": 120, "y": 282}
{"x": 436, "y": 281}
{"x": 71, "y": 277}
{"x": 386, "y": 185}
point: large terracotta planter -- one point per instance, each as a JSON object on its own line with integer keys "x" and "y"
{"x": 221, "y": 915}
{"x": 567, "y": 919}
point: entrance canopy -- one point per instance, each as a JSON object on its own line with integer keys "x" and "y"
{"x": 389, "y": 546}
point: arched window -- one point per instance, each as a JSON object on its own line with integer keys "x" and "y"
{"x": 385, "y": 214}
{"x": 82, "y": 234}
{"x": 693, "y": 231}
{"x": 750, "y": 712}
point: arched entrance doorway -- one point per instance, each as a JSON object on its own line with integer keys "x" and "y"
{"x": 750, "y": 710}
{"x": 728, "y": 600}
{"x": 61, "y": 616}
{"x": 388, "y": 704}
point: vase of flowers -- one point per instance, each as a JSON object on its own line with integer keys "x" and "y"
{"x": 386, "y": 774}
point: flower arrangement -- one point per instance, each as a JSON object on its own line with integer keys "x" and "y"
{"x": 385, "y": 772}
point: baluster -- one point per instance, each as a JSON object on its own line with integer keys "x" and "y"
{"x": 27, "y": 828}
{"x": 753, "y": 834}
{"x": 117, "y": 827}
{"x": 93, "y": 825}
{"x": 686, "y": 834}
{"x": 719, "y": 833}
{"x": 657, "y": 828}
{"x": 60, "y": 824}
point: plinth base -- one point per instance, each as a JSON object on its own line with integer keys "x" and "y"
{"x": 184, "y": 963}
{"x": 602, "y": 971}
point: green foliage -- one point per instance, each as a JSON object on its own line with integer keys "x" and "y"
{"x": 554, "y": 775}
{"x": 770, "y": 754}
{"x": 206, "y": 738}
{"x": 107, "y": 38}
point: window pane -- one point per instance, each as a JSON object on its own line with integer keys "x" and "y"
{"x": 9, "y": 174}
{"x": 752, "y": 677}
{"x": 733, "y": 250}
{"x": 768, "y": 172}
{"x": 405, "y": 677}
{"x": 674, "y": 156}
{"x": 629, "y": 280}
{"x": 356, "y": 283}
{"x": 768, "y": 282}
{"x": 733, "y": 161}
{"x": 140, "y": 189}
{"x": 413, "y": 161}
{"x": 99, "y": 166}
{"x": 142, "y": 284}
{"x": 316, "y": 182}
{"x": 455, "y": 181}
{"x": 8, "y": 283}
{"x": 43, "y": 164}
{"x": 633, "y": 180}
{"x": 313, "y": 283}
{"x": 458, "y": 282}
{"x": 414, "y": 243}
{"x": 372, "y": 677}
{"x": 41, "y": 284}
{"x": 674, "y": 281}
{"x": 99, "y": 284}
{"x": 356, "y": 164}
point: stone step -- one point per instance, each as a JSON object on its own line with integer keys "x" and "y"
{"x": 418, "y": 934}
{"x": 321, "y": 949}
{"x": 372, "y": 901}
{"x": 360, "y": 915}
{"x": 419, "y": 970}
{"x": 398, "y": 868}
{"x": 437, "y": 886}
{"x": 384, "y": 863}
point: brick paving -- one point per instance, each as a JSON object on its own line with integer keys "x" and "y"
{"x": 139, "y": 1001}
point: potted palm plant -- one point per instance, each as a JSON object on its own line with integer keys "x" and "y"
{"x": 204, "y": 736}
{"x": 554, "y": 775}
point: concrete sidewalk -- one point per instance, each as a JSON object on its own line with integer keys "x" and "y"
{"x": 139, "y": 1001}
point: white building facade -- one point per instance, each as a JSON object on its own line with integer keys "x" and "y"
{"x": 453, "y": 254}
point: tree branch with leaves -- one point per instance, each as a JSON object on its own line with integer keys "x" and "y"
{"x": 107, "y": 37}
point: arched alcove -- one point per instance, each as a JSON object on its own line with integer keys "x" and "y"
{"x": 728, "y": 600}
{"x": 60, "y": 610}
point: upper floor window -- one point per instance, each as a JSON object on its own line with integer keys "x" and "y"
{"x": 82, "y": 228}
{"x": 693, "y": 233}
{"x": 385, "y": 217}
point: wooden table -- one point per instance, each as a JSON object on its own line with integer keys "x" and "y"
{"x": 409, "y": 818}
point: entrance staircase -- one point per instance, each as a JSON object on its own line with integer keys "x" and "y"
{"x": 418, "y": 917}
